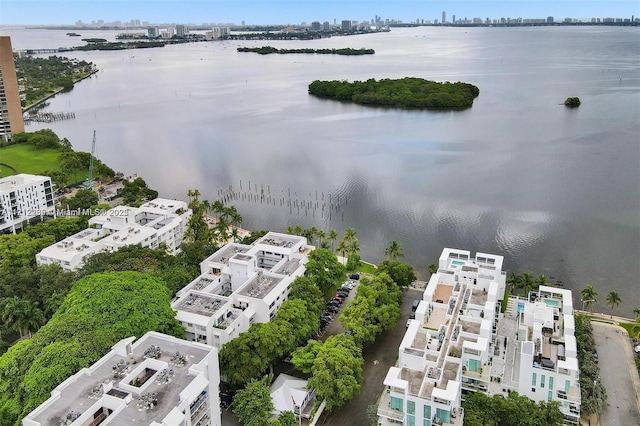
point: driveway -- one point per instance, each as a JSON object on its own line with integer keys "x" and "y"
{"x": 378, "y": 357}
{"x": 619, "y": 376}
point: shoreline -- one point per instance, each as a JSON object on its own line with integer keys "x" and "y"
{"x": 43, "y": 100}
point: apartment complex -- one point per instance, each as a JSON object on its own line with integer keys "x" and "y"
{"x": 11, "y": 120}
{"x": 156, "y": 222}
{"x": 446, "y": 349}
{"x": 157, "y": 381}
{"x": 24, "y": 197}
{"x": 239, "y": 285}
{"x": 460, "y": 342}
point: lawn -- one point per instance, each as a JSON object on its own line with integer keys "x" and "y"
{"x": 24, "y": 158}
{"x": 366, "y": 268}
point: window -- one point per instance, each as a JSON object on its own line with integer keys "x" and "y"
{"x": 551, "y": 383}
{"x": 411, "y": 407}
{"x": 550, "y": 394}
{"x": 443, "y": 415}
{"x": 542, "y": 380}
{"x": 474, "y": 365}
{"x": 567, "y": 384}
{"x": 396, "y": 403}
{"x": 426, "y": 422}
{"x": 426, "y": 412}
{"x": 534, "y": 379}
{"x": 411, "y": 421}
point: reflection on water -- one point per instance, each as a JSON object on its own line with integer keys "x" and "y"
{"x": 554, "y": 190}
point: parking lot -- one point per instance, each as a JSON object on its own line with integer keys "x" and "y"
{"x": 619, "y": 376}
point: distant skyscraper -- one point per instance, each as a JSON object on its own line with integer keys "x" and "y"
{"x": 453, "y": 19}
{"x": 182, "y": 30}
{"x": 346, "y": 25}
{"x": 444, "y": 17}
{"x": 10, "y": 109}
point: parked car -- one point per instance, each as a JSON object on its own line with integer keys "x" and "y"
{"x": 637, "y": 349}
{"x": 354, "y": 276}
{"x": 333, "y": 309}
{"x": 343, "y": 294}
{"x": 333, "y": 303}
{"x": 338, "y": 297}
{"x": 225, "y": 400}
{"x": 595, "y": 357}
{"x": 343, "y": 288}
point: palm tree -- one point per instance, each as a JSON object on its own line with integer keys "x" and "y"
{"x": 613, "y": 300}
{"x": 342, "y": 248}
{"x": 308, "y": 234}
{"x": 589, "y": 295}
{"x": 637, "y": 312}
{"x": 432, "y": 269}
{"x": 542, "y": 280}
{"x": 332, "y": 236}
{"x": 22, "y": 315}
{"x": 349, "y": 234}
{"x": 513, "y": 282}
{"x": 321, "y": 236}
{"x": 394, "y": 251}
{"x": 527, "y": 282}
{"x": 32, "y": 317}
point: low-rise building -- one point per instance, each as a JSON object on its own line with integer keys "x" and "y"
{"x": 290, "y": 393}
{"x": 157, "y": 381}
{"x": 154, "y": 223}
{"x": 239, "y": 285}
{"x": 460, "y": 342}
{"x": 24, "y": 197}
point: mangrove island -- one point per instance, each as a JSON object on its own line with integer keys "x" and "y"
{"x": 408, "y": 92}
{"x": 266, "y": 50}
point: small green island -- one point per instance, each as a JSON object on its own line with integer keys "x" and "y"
{"x": 407, "y": 92}
{"x": 572, "y": 102}
{"x": 267, "y": 50}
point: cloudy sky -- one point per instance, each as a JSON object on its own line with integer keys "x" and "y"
{"x": 33, "y": 12}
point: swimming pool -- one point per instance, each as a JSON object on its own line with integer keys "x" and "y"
{"x": 457, "y": 263}
{"x": 550, "y": 302}
{"x": 520, "y": 307}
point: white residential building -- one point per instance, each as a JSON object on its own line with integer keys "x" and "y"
{"x": 290, "y": 393}
{"x": 547, "y": 364}
{"x": 157, "y": 381}
{"x": 459, "y": 343}
{"x": 150, "y": 225}
{"x": 239, "y": 285}
{"x": 24, "y": 197}
{"x": 446, "y": 349}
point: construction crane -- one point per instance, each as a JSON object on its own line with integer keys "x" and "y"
{"x": 89, "y": 182}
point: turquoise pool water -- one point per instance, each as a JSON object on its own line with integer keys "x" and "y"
{"x": 520, "y": 307}
{"x": 457, "y": 263}
{"x": 554, "y": 303}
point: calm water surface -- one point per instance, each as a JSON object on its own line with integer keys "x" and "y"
{"x": 556, "y": 191}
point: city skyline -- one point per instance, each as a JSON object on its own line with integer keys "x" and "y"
{"x": 67, "y": 12}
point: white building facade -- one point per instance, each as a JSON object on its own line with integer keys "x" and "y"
{"x": 157, "y": 381}
{"x": 460, "y": 342}
{"x": 24, "y": 197}
{"x": 154, "y": 223}
{"x": 239, "y": 285}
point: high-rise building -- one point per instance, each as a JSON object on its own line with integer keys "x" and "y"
{"x": 346, "y": 25}
{"x": 24, "y": 197}
{"x": 10, "y": 109}
{"x": 181, "y": 30}
{"x": 444, "y": 17}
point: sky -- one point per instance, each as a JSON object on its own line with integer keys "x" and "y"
{"x": 41, "y": 12}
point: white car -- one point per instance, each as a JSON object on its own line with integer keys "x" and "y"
{"x": 637, "y": 349}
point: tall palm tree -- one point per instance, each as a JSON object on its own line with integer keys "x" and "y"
{"x": 32, "y": 317}
{"x": 527, "y": 282}
{"x": 321, "y": 236}
{"x": 394, "y": 251}
{"x": 332, "y": 236}
{"x": 22, "y": 315}
{"x": 588, "y": 296}
{"x": 542, "y": 280}
{"x": 342, "y": 248}
{"x": 513, "y": 282}
{"x": 308, "y": 234}
{"x": 349, "y": 234}
{"x": 613, "y": 300}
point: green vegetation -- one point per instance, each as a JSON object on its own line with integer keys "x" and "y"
{"x": 366, "y": 268}
{"x": 326, "y": 271}
{"x": 42, "y": 152}
{"x": 394, "y": 251}
{"x": 588, "y": 296}
{"x": 253, "y": 404}
{"x": 514, "y": 410}
{"x": 118, "y": 45}
{"x": 266, "y": 50}
{"x": 526, "y": 282}
{"x": 613, "y": 300}
{"x": 100, "y": 310}
{"x": 36, "y": 75}
{"x": 407, "y": 92}
{"x": 401, "y": 273}
{"x": 592, "y": 391}
{"x": 572, "y": 102}
{"x": 136, "y": 192}
{"x": 376, "y": 308}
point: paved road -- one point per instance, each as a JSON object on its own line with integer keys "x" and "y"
{"x": 619, "y": 374}
{"x": 378, "y": 357}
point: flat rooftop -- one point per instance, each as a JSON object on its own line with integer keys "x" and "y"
{"x": 80, "y": 393}
{"x": 288, "y": 267}
{"x": 200, "y": 304}
{"x": 223, "y": 255}
{"x": 279, "y": 240}
{"x": 260, "y": 285}
{"x": 443, "y": 292}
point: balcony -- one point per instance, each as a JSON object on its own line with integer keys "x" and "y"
{"x": 385, "y": 410}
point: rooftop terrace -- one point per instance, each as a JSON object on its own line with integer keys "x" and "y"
{"x": 260, "y": 285}
{"x": 201, "y": 304}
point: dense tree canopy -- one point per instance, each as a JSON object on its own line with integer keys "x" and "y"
{"x": 347, "y": 51}
{"x": 326, "y": 271}
{"x": 514, "y": 410}
{"x": 407, "y": 92}
{"x": 337, "y": 370}
{"x": 401, "y": 273}
{"x": 253, "y": 404}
